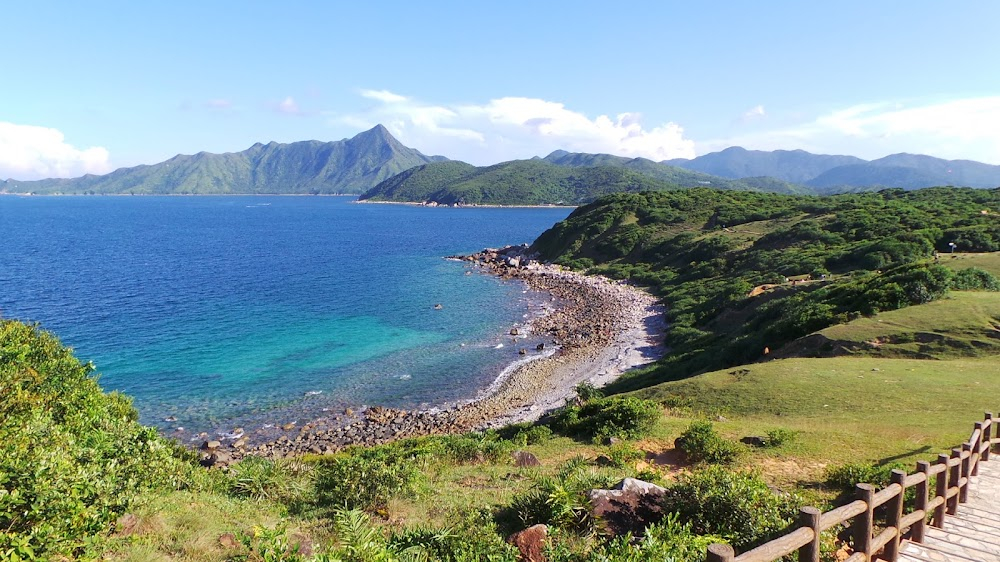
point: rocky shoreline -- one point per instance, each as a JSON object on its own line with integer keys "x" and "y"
{"x": 597, "y": 329}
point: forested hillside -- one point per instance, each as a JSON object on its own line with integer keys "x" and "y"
{"x": 744, "y": 273}
{"x": 566, "y": 179}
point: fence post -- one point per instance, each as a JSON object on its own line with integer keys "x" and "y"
{"x": 941, "y": 490}
{"x": 988, "y": 435}
{"x": 975, "y": 448}
{"x": 917, "y": 530}
{"x": 809, "y": 517}
{"x": 864, "y": 522}
{"x": 954, "y": 474}
{"x": 963, "y": 490}
{"x": 718, "y": 552}
{"x": 894, "y": 512}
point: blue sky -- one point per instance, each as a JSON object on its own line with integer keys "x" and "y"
{"x": 92, "y": 86}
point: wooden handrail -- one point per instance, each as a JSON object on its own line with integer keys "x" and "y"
{"x": 952, "y": 473}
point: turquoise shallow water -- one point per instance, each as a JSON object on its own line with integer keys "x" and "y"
{"x": 222, "y": 310}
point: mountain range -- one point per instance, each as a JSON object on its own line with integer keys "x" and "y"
{"x": 830, "y": 174}
{"x": 308, "y": 167}
{"x": 561, "y": 178}
{"x": 373, "y": 163}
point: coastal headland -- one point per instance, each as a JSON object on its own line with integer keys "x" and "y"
{"x": 596, "y": 329}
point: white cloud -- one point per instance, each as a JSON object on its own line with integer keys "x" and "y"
{"x": 516, "y": 127}
{"x": 953, "y": 129}
{"x": 384, "y": 96}
{"x": 28, "y": 152}
{"x": 755, "y": 112}
{"x": 288, "y": 106}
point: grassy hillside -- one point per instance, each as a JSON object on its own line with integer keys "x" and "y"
{"x": 743, "y": 274}
{"x": 844, "y": 409}
{"x": 962, "y": 324}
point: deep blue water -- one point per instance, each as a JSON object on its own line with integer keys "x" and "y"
{"x": 225, "y": 310}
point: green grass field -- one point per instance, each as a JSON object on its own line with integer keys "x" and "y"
{"x": 847, "y": 408}
{"x": 989, "y": 261}
{"x": 964, "y": 324}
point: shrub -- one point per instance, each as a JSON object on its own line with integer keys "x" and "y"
{"x": 627, "y": 417}
{"x": 472, "y": 536}
{"x": 623, "y": 454}
{"x": 779, "y": 437}
{"x": 701, "y": 443}
{"x": 975, "y": 279}
{"x": 587, "y": 391}
{"x": 359, "y": 482}
{"x": 738, "y": 506}
{"x": 561, "y": 500}
{"x": 476, "y": 447}
{"x": 668, "y": 540}
{"x": 265, "y": 479}
{"x": 526, "y": 433}
{"x": 844, "y": 477}
{"x": 72, "y": 458}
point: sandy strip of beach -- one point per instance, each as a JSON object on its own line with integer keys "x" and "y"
{"x": 603, "y": 328}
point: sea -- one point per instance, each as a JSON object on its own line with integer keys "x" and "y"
{"x": 215, "y": 312}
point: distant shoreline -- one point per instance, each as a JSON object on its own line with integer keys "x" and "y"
{"x": 465, "y": 206}
{"x": 2, "y": 193}
{"x": 368, "y": 202}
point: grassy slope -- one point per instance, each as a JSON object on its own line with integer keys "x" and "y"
{"x": 965, "y": 324}
{"x": 989, "y": 261}
{"x": 847, "y": 408}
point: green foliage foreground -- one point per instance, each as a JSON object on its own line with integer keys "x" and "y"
{"x": 72, "y": 458}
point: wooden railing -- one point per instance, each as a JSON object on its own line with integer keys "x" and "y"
{"x": 951, "y": 488}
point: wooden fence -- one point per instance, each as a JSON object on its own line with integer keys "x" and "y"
{"x": 951, "y": 476}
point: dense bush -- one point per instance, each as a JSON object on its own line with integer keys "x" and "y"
{"x": 365, "y": 482}
{"x": 477, "y": 447}
{"x": 975, "y": 279}
{"x": 616, "y": 416}
{"x": 779, "y": 437}
{"x": 844, "y": 477}
{"x": 282, "y": 480}
{"x": 668, "y": 540}
{"x": 561, "y": 500}
{"x": 738, "y": 506}
{"x": 701, "y": 443}
{"x": 72, "y": 458}
{"x": 526, "y": 433}
{"x": 471, "y": 536}
{"x": 623, "y": 454}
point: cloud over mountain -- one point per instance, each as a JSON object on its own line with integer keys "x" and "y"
{"x": 516, "y": 127}
{"x": 32, "y": 152}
